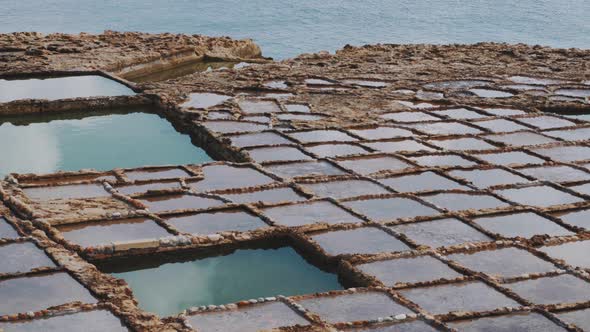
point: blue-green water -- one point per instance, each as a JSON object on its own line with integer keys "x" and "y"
{"x": 167, "y": 287}
{"x": 98, "y": 140}
{"x": 61, "y": 87}
{"x": 285, "y": 28}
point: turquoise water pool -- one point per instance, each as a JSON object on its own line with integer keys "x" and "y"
{"x": 102, "y": 141}
{"x": 61, "y": 88}
{"x": 167, "y": 286}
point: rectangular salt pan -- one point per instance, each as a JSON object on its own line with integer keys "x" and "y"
{"x": 414, "y": 326}
{"x": 169, "y": 283}
{"x": 97, "y": 140}
{"x": 309, "y": 213}
{"x": 488, "y": 177}
{"x": 426, "y": 181}
{"x": 22, "y": 257}
{"x": 41, "y": 292}
{"x": 6, "y": 230}
{"x": 389, "y": 209}
{"x": 541, "y": 196}
{"x": 345, "y": 188}
{"x": 92, "y": 234}
{"x": 506, "y": 262}
{"x": 579, "y": 317}
{"x": 303, "y": 169}
{"x": 573, "y": 253}
{"x": 442, "y": 161}
{"x": 461, "y": 201}
{"x": 551, "y": 290}
{"x": 367, "y": 240}
{"x": 508, "y": 323}
{"x": 279, "y": 153}
{"x": 408, "y": 270}
{"x": 61, "y": 88}
{"x": 525, "y": 225}
{"x": 472, "y": 296}
{"x": 354, "y": 307}
{"x": 253, "y": 318}
{"x": 441, "y": 233}
{"x": 462, "y": 144}
{"x": 335, "y": 150}
{"x": 87, "y": 321}
{"x": 406, "y": 145}
{"x": 256, "y": 139}
{"x": 269, "y": 196}
{"x": 214, "y": 222}
{"x": 219, "y": 177}
{"x": 142, "y": 188}
{"x": 151, "y": 174}
{"x": 366, "y": 166}
{"x": 322, "y": 136}
{"x": 74, "y": 191}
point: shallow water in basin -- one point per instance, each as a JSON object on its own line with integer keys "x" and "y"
{"x": 524, "y": 225}
{"x": 263, "y": 316}
{"x": 579, "y": 317}
{"x": 470, "y": 296}
{"x": 563, "y": 288}
{"x": 61, "y": 88}
{"x": 457, "y": 85}
{"x": 87, "y": 321}
{"x": 408, "y": 270}
{"x": 368, "y": 240}
{"x": 41, "y": 291}
{"x": 72, "y": 191}
{"x": 6, "y": 231}
{"x": 535, "y": 80}
{"x": 489, "y": 93}
{"x": 583, "y": 93}
{"x": 101, "y": 141}
{"x": 22, "y": 257}
{"x": 214, "y": 222}
{"x": 353, "y": 307}
{"x": 241, "y": 275}
{"x": 514, "y": 322}
{"x": 426, "y": 181}
{"x": 506, "y": 262}
{"x": 204, "y": 100}
{"x": 100, "y": 233}
{"x": 179, "y": 202}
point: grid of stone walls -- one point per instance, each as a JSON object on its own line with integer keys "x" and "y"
{"x": 445, "y": 216}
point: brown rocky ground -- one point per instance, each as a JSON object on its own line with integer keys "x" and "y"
{"x": 117, "y": 52}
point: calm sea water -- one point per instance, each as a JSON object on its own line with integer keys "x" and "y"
{"x": 285, "y": 28}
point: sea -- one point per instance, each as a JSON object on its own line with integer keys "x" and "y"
{"x": 286, "y": 28}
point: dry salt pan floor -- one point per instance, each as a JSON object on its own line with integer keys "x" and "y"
{"x": 406, "y": 188}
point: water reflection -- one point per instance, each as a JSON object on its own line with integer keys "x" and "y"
{"x": 168, "y": 284}
{"x": 61, "y": 88}
{"x": 103, "y": 141}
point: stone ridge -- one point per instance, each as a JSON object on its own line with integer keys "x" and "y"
{"x": 25, "y": 52}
